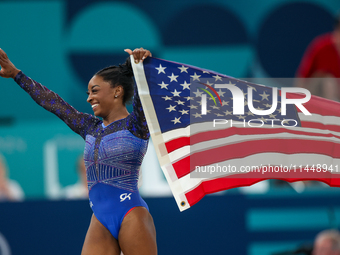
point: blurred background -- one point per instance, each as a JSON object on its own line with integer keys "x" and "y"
{"x": 62, "y": 43}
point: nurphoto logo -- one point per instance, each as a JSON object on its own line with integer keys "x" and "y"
{"x": 276, "y": 105}
{"x": 238, "y": 102}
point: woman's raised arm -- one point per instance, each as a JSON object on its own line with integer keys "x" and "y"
{"x": 52, "y": 102}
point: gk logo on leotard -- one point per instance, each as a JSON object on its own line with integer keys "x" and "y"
{"x": 125, "y": 196}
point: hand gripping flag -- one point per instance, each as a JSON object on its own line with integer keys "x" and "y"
{"x": 212, "y": 132}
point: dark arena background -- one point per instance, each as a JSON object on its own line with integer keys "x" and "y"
{"x": 62, "y": 43}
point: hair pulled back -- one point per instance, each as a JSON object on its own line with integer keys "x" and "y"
{"x": 120, "y": 75}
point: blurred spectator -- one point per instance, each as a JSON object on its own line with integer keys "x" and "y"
{"x": 327, "y": 242}
{"x": 299, "y": 186}
{"x": 10, "y": 190}
{"x": 257, "y": 188}
{"x": 78, "y": 190}
{"x": 321, "y": 62}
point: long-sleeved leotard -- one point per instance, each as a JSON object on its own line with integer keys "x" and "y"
{"x": 113, "y": 154}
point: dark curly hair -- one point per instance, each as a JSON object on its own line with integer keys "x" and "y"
{"x": 120, "y": 75}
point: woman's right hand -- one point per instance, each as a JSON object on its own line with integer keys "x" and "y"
{"x": 8, "y": 70}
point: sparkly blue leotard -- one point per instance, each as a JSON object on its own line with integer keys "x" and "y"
{"x": 113, "y": 154}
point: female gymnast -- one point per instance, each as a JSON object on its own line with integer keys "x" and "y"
{"x": 114, "y": 150}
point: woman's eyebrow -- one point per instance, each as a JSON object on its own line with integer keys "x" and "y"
{"x": 87, "y": 92}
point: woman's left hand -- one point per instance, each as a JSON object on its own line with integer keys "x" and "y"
{"x": 8, "y": 70}
{"x": 139, "y": 54}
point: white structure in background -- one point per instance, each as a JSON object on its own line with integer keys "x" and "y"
{"x": 154, "y": 182}
{"x": 53, "y": 188}
{"x": 4, "y": 246}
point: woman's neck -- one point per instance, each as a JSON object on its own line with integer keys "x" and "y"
{"x": 115, "y": 115}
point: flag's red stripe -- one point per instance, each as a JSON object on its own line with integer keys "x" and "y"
{"x": 177, "y": 143}
{"x": 247, "y": 148}
{"x": 182, "y": 167}
{"x": 212, "y": 135}
{"x": 215, "y": 185}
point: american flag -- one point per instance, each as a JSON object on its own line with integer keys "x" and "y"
{"x": 206, "y": 149}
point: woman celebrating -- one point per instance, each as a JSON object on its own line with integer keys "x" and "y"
{"x": 114, "y": 150}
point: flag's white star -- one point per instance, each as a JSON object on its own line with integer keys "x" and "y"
{"x": 217, "y": 78}
{"x": 167, "y": 98}
{"x": 193, "y": 106}
{"x": 272, "y": 116}
{"x": 268, "y": 105}
{"x": 216, "y": 107}
{"x": 163, "y": 85}
{"x": 195, "y": 77}
{"x": 231, "y": 83}
{"x": 198, "y": 93}
{"x": 228, "y": 113}
{"x": 263, "y": 119}
{"x": 218, "y": 115}
{"x": 189, "y": 98}
{"x": 176, "y": 120}
{"x": 225, "y": 103}
{"x": 176, "y": 93}
{"x": 220, "y": 93}
{"x": 250, "y": 113}
{"x": 197, "y": 115}
{"x": 173, "y": 77}
{"x": 183, "y": 69}
{"x": 241, "y": 117}
{"x": 171, "y": 108}
{"x": 264, "y": 96}
{"x": 208, "y": 83}
{"x": 180, "y": 102}
{"x": 184, "y": 112}
{"x": 160, "y": 69}
{"x": 285, "y": 122}
{"x": 205, "y": 72}
{"x": 185, "y": 85}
